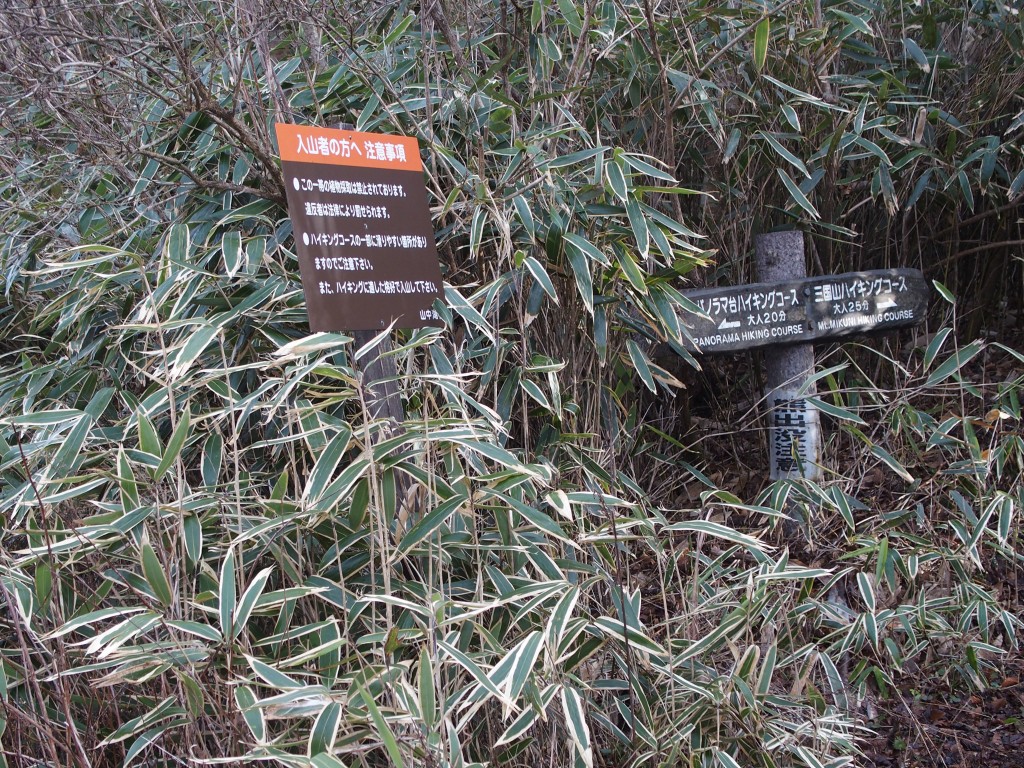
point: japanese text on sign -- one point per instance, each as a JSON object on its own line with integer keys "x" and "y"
{"x": 358, "y": 208}
{"x": 761, "y": 314}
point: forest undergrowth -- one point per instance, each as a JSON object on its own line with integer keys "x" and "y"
{"x": 569, "y": 553}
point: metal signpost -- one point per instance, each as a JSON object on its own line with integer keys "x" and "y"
{"x": 789, "y": 311}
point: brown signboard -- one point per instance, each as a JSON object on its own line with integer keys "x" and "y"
{"x": 803, "y": 311}
{"x": 358, "y": 206}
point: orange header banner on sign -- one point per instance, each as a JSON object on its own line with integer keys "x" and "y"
{"x": 332, "y": 146}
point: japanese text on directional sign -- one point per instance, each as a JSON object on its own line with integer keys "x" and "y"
{"x": 764, "y": 314}
{"x": 362, "y": 228}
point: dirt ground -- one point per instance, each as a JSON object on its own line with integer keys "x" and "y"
{"x": 943, "y": 728}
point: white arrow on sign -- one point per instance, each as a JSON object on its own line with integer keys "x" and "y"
{"x": 726, "y": 325}
{"x": 885, "y": 303}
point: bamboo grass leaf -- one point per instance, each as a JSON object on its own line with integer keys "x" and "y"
{"x": 576, "y": 719}
{"x": 182, "y": 432}
{"x": 226, "y": 594}
{"x": 761, "y": 43}
{"x": 155, "y": 576}
{"x": 324, "y": 732}
{"x": 798, "y": 197}
{"x": 249, "y": 600}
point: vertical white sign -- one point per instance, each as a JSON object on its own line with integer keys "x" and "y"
{"x": 795, "y": 436}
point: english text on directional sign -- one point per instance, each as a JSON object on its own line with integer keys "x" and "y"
{"x": 802, "y": 311}
{"x": 362, "y": 228}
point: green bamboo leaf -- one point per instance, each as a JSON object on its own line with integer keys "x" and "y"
{"x": 914, "y": 51}
{"x": 935, "y": 345}
{"x": 638, "y": 223}
{"x": 525, "y": 215}
{"x": 226, "y": 593}
{"x": 175, "y": 444}
{"x": 427, "y": 694}
{"x": 69, "y": 455}
{"x": 874, "y": 149}
{"x": 326, "y": 760}
{"x": 791, "y": 116}
{"x": 794, "y": 192}
{"x": 88, "y": 619}
{"x": 44, "y": 418}
{"x": 519, "y": 726}
{"x": 867, "y": 592}
{"x": 535, "y": 392}
{"x": 231, "y": 246}
{"x": 149, "y": 441}
{"x": 429, "y": 524}
{"x": 126, "y": 482}
{"x": 196, "y": 344}
{"x": 474, "y": 670}
{"x": 178, "y": 243}
{"x": 717, "y": 638}
{"x": 586, "y": 248}
{"x": 155, "y": 576}
{"x": 559, "y": 620}
{"x": 193, "y": 538}
{"x": 601, "y": 334}
{"x": 273, "y": 677}
{"x": 613, "y": 627}
{"x": 399, "y": 28}
{"x": 383, "y": 729}
{"x": 856, "y": 23}
{"x": 476, "y": 231}
{"x": 249, "y": 600}
{"x": 541, "y": 276}
{"x": 785, "y": 154}
{"x": 617, "y": 179}
{"x": 147, "y": 738}
{"x": 952, "y": 364}
{"x": 1016, "y": 186}
{"x": 648, "y": 169}
{"x": 575, "y": 157}
{"x": 641, "y": 365}
{"x": 890, "y": 461}
{"x": 719, "y": 531}
{"x": 196, "y": 629}
{"x": 534, "y": 516}
{"x": 495, "y": 453}
{"x": 253, "y": 715}
{"x": 325, "y": 730}
{"x": 835, "y": 679}
{"x": 576, "y": 719}
{"x": 764, "y": 679}
{"x": 326, "y": 464}
{"x": 581, "y": 273}
{"x": 835, "y": 411}
{"x": 526, "y": 655}
{"x": 761, "y": 43}
{"x": 343, "y": 485}
{"x": 213, "y": 452}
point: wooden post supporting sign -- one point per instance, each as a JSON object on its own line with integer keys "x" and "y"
{"x": 794, "y": 431}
